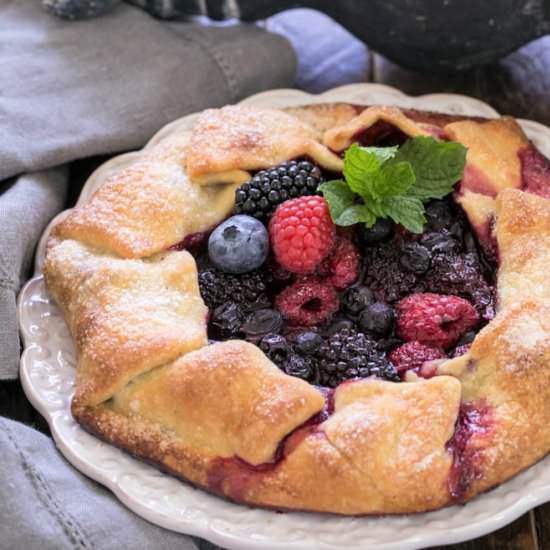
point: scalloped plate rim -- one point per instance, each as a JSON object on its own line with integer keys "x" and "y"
{"x": 419, "y": 537}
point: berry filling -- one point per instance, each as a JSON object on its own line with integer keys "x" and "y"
{"x": 307, "y": 303}
{"x": 474, "y": 422}
{"x": 330, "y": 302}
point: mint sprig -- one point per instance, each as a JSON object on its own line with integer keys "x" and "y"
{"x": 391, "y": 182}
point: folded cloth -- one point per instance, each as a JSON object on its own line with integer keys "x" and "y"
{"x": 49, "y": 506}
{"x": 70, "y": 90}
{"x": 26, "y": 205}
{"x": 75, "y": 89}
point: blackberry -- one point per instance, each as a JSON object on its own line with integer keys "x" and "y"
{"x": 385, "y": 276}
{"x": 260, "y": 196}
{"x": 350, "y": 354}
{"x": 248, "y": 290}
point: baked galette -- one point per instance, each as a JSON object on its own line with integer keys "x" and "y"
{"x": 333, "y": 308}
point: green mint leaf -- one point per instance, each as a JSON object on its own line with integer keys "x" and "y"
{"x": 437, "y": 165}
{"x": 408, "y": 211}
{"x": 358, "y": 213}
{"x": 393, "y": 178}
{"x": 382, "y": 153}
{"x": 338, "y": 195}
{"x": 360, "y": 166}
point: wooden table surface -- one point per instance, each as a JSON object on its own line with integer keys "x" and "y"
{"x": 518, "y": 85}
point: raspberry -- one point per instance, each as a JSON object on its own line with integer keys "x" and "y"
{"x": 302, "y": 233}
{"x": 342, "y": 265}
{"x": 434, "y": 319}
{"x": 307, "y": 303}
{"x": 412, "y": 355}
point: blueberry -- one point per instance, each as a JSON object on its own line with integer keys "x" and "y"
{"x": 307, "y": 343}
{"x": 238, "y": 245}
{"x": 262, "y": 322}
{"x": 78, "y": 9}
{"x": 276, "y": 348}
{"x": 227, "y": 320}
{"x": 299, "y": 367}
{"x": 381, "y": 231}
{"x": 415, "y": 258}
{"x": 438, "y": 214}
{"x": 377, "y": 318}
{"x": 439, "y": 243}
{"x": 356, "y": 299}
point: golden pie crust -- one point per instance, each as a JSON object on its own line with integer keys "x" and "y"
{"x": 222, "y": 416}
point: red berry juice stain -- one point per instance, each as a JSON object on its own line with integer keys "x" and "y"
{"x": 475, "y": 420}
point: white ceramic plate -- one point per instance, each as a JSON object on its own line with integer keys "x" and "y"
{"x": 47, "y": 374}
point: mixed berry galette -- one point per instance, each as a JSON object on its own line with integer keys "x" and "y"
{"x": 332, "y": 308}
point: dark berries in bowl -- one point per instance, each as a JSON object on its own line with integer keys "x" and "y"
{"x": 260, "y": 196}
{"x": 238, "y": 245}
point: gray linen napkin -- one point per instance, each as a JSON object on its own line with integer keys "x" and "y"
{"x": 49, "y": 506}
{"x": 69, "y": 91}
{"x": 26, "y": 205}
{"x": 72, "y": 90}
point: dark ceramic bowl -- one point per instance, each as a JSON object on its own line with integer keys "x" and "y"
{"x": 430, "y": 35}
